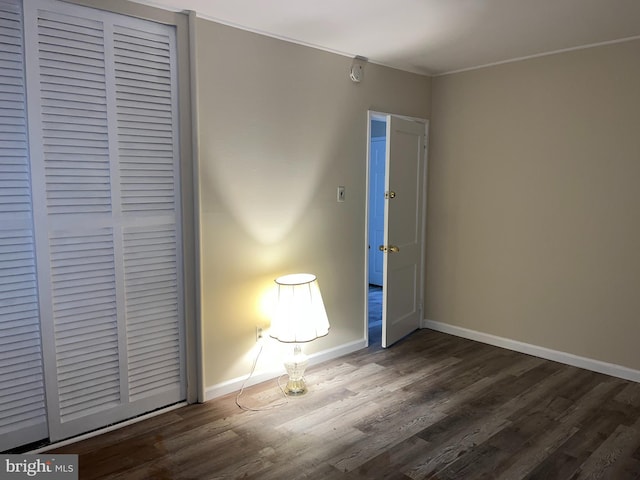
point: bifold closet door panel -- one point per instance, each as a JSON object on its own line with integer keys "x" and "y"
{"x": 22, "y": 402}
{"x": 102, "y": 110}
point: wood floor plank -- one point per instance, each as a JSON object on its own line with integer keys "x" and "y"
{"x": 566, "y": 423}
{"x": 605, "y": 462}
{"x": 470, "y": 424}
{"x": 389, "y": 464}
{"x": 567, "y": 459}
{"x": 414, "y": 420}
{"x": 630, "y": 395}
{"x": 433, "y": 406}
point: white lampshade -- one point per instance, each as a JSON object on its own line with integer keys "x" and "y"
{"x": 300, "y": 315}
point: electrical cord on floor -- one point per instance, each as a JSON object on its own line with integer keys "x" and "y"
{"x": 267, "y": 407}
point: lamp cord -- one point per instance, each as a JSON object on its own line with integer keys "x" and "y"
{"x": 268, "y": 407}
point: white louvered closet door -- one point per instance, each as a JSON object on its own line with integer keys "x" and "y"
{"x": 22, "y": 406}
{"x": 103, "y": 136}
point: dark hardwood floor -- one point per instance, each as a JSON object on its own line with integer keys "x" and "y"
{"x": 433, "y": 406}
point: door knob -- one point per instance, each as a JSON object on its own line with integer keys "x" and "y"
{"x": 390, "y": 194}
{"x": 390, "y": 248}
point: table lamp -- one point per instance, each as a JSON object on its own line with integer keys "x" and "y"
{"x": 299, "y": 317}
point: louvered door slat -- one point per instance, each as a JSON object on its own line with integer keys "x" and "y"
{"x": 29, "y": 360}
{"x": 141, "y": 303}
{"x": 34, "y": 369}
{"x": 158, "y": 321}
{"x": 20, "y": 413}
{"x": 22, "y": 406}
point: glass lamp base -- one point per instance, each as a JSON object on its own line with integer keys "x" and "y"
{"x": 295, "y": 388}
{"x": 295, "y": 366}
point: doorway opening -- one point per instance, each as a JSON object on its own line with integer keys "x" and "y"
{"x": 397, "y": 147}
{"x": 377, "y": 164}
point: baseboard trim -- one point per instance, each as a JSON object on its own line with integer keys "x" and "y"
{"x": 537, "y": 351}
{"x": 234, "y": 385}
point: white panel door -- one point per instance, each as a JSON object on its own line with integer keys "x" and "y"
{"x": 22, "y": 402}
{"x": 405, "y": 185}
{"x": 102, "y": 110}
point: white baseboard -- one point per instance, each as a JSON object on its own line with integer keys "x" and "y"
{"x": 537, "y": 351}
{"x": 233, "y": 385}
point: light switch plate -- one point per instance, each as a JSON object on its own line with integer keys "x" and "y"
{"x": 341, "y": 194}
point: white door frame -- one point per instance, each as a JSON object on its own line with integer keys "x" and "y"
{"x": 382, "y": 116}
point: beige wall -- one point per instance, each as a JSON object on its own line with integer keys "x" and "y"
{"x": 534, "y": 202}
{"x": 280, "y": 127}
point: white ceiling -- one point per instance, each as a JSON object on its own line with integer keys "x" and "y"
{"x": 429, "y": 36}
